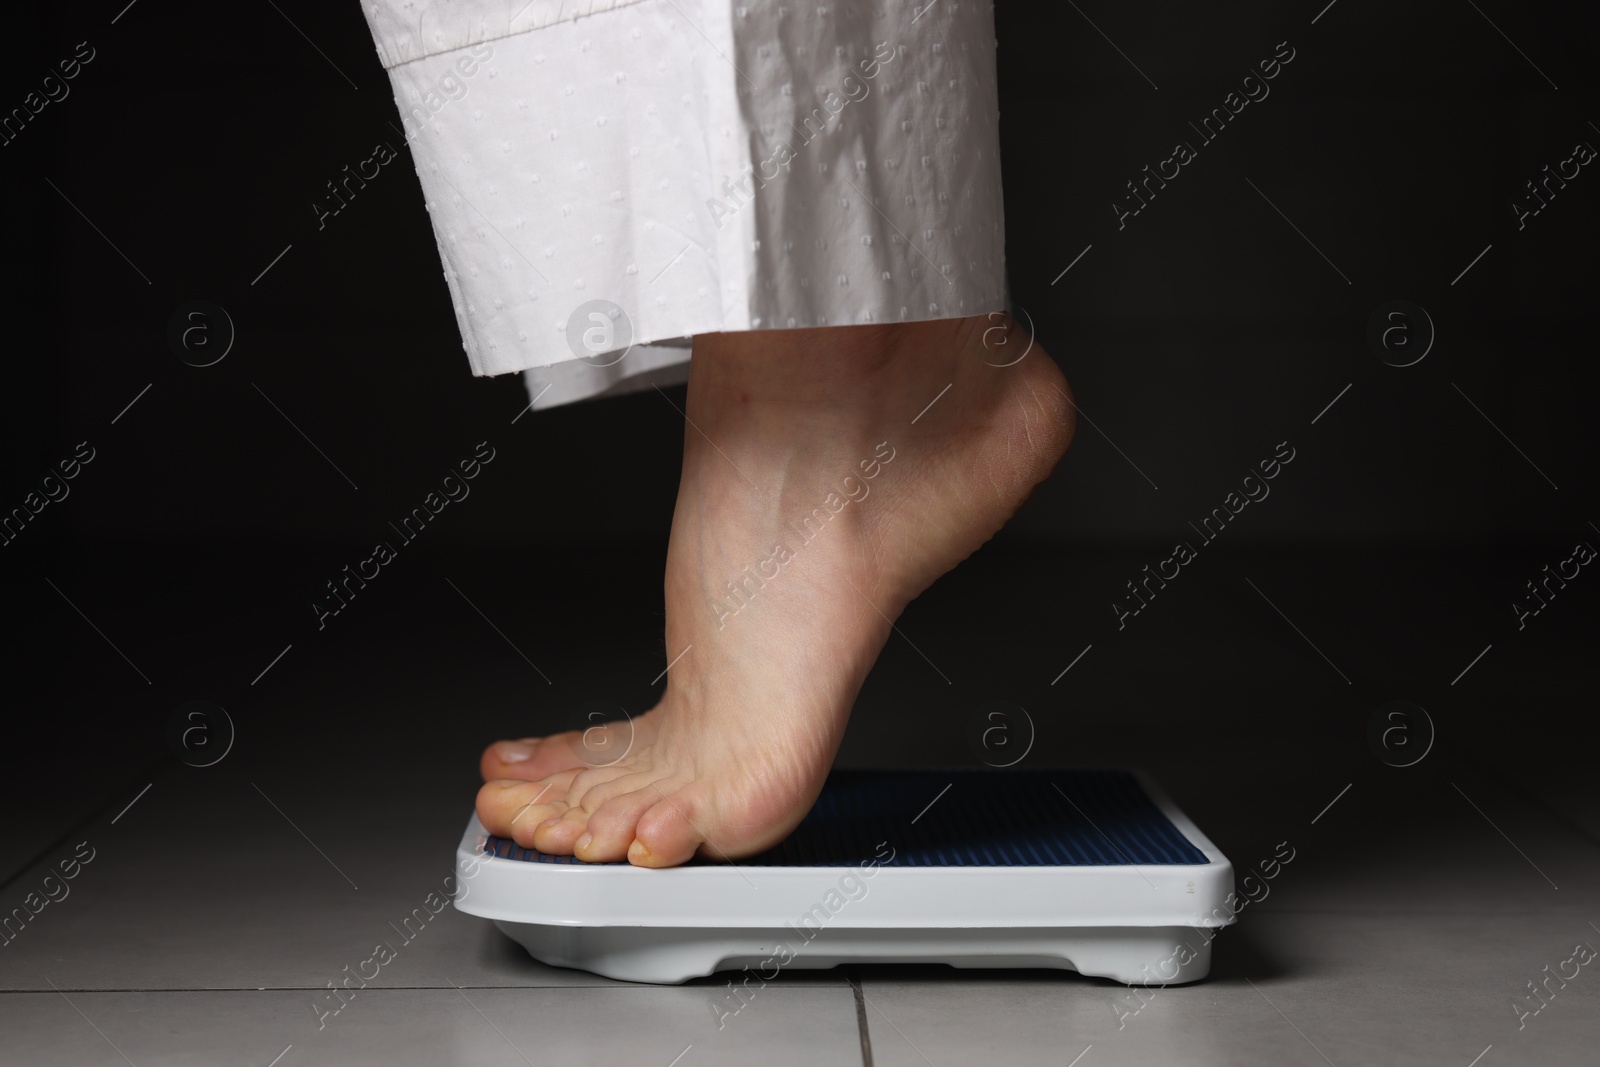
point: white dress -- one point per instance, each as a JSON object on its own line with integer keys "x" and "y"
{"x": 607, "y": 178}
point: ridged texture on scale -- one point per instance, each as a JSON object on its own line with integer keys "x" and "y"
{"x": 984, "y": 819}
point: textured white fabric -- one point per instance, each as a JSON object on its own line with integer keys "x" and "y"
{"x": 702, "y": 166}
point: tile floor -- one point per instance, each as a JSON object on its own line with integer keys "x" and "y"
{"x": 219, "y": 901}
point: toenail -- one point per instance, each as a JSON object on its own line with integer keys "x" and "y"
{"x": 583, "y": 842}
{"x": 513, "y": 751}
{"x": 548, "y": 823}
{"x": 637, "y": 852}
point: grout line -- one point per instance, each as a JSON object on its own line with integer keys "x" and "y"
{"x": 861, "y": 1021}
{"x": 893, "y": 1027}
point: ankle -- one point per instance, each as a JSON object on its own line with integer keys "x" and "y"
{"x": 830, "y": 371}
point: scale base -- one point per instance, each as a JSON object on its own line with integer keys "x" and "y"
{"x": 1132, "y": 955}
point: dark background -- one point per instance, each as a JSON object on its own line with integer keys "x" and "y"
{"x": 1197, "y": 338}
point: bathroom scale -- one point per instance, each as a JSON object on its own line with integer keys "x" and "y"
{"x": 1095, "y": 871}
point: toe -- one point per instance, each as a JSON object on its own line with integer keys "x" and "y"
{"x": 611, "y": 828}
{"x": 593, "y": 786}
{"x": 513, "y": 808}
{"x": 537, "y": 758}
{"x": 533, "y": 758}
{"x": 514, "y": 759}
{"x": 557, "y": 835}
{"x": 666, "y": 834}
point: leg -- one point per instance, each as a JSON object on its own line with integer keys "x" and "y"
{"x": 811, "y": 510}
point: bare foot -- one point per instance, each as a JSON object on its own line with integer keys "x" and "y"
{"x": 829, "y": 477}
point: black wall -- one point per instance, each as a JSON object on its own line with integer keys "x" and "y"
{"x": 1217, "y": 322}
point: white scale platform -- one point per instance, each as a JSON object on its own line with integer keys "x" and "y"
{"x": 1092, "y": 871}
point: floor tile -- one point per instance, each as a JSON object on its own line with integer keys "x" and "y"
{"x": 392, "y": 1028}
{"x": 1285, "y": 989}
